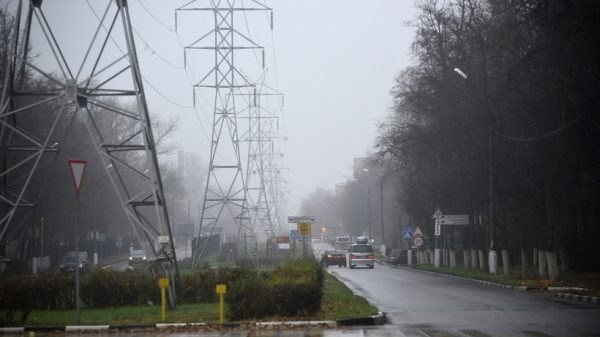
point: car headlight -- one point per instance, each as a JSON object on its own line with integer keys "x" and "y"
{"x": 130, "y": 258}
{"x": 144, "y": 258}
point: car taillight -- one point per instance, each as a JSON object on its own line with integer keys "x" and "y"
{"x": 370, "y": 256}
{"x": 355, "y": 256}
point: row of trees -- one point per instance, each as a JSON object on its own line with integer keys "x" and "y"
{"x": 497, "y": 118}
{"x": 513, "y": 133}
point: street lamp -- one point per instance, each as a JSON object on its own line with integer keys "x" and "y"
{"x": 380, "y": 201}
{"x": 369, "y": 189}
{"x": 492, "y": 261}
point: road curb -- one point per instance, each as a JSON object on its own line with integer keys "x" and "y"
{"x": 379, "y": 319}
{"x": 578, "y": 298}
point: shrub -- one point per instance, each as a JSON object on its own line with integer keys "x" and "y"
{"x": 293, "y": 288}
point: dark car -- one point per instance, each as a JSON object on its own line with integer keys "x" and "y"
{"x": 138, "y": 258}
{"x": 362, "y": 256}
{"x": 398, "y": 256}
{"x": 335, "y": 258}
{"x": 69, "y": 262}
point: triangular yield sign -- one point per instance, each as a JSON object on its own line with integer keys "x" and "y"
{"x": 418, "y": 232}
{"x": 77, "y": 170}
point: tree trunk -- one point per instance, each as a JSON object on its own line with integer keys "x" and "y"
{"x": 552, "y": 260}
{"x": 481, "y": 260}
{"x": 474, "y": 261}
{"x": 438, "y": 257}
{"x": 542, "y": 264}
{"x": 452, "y": 258}
{"x": 505, "y": 262}
{"x": 523, "y": 263}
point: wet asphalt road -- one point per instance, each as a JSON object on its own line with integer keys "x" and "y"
{"x": 432, "y": 305}
{"x": 428, "y": 304}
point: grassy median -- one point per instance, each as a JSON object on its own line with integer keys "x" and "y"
{"x": 338, "y": 302}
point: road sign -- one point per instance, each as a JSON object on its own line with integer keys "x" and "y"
{"x": 459, "y": 219}
{"x": 437, "y": 214}
{"x": 417, "y": 241}
{"x": 77, "y": 171}
{"x": 301, "y": 219}
{"x": 438, "y": 228}
{"x": 407, "y": 235}
{"x": 418, "y": 232}
{"x": 293, "y": 234}
{"x": 304, "y": 229}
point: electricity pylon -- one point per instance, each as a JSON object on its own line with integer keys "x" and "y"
{"x": 225, "y": 187}
{"x": 259, "y": 203}
{"x": 102, "y": 87}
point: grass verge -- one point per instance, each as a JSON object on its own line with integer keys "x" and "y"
{"x": 588, "y": 282}
{"x": 338, "y": 302}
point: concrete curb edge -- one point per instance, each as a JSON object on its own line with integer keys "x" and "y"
{"x": 379, "y": 319}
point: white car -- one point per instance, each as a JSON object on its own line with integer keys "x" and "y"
{"x": 342, "y": 243}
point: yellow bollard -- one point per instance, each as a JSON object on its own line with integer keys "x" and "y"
{"x": 163, "y": 283}
{"x": 221, "y": 290}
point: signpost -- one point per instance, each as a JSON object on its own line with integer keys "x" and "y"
{"x": 460, "y": 219}
{"x": 163, "y": 283}
{"x": 221, "y": 290}
{"x": 303, "y": 228}
{"x": 77, "y": 171}
{"x": 301, "y": 219}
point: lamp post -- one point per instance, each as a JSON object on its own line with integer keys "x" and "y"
{"x": 492, "y": 256}
{"x": 380, "y": 201}
{"x": 369, "y": 212}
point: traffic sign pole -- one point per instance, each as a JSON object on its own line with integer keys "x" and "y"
{"x": 77, "y": 171}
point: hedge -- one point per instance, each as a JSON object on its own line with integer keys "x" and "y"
{"x": 293, "y": 288}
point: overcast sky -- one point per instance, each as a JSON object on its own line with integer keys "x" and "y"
{"x": 334, "y": 61}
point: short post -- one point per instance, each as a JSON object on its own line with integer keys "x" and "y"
{"x": 163, "y": 283}
{"x": 221, "y": 290}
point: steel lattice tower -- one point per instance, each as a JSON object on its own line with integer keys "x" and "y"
{"x": 260, "y": 205}
{"x": 225, "y": 187}
{"x": 106, "y": 81}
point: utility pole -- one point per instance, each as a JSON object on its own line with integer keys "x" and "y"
{"x": 103, "y": 83}
{"x": 259, "y": 202}
{"x": 225, "y": 185}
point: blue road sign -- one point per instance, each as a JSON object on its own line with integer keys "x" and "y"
{"x": 407, "y": 233}
{"x": 293, "y": 234}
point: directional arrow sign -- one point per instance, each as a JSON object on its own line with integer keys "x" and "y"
{"x": 437, "y": 214}
{"x": 77, "y": 171}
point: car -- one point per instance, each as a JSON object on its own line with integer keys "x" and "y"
{"x": 362, "y": 256}
{"x": 361, "y": 240}
{"x": 335, "y": 258}
{"x": 342, "y": 243}
{"x": 69, "y": 262}
{"x": 138, "y": 257}
{"x": 397, "y": 256}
